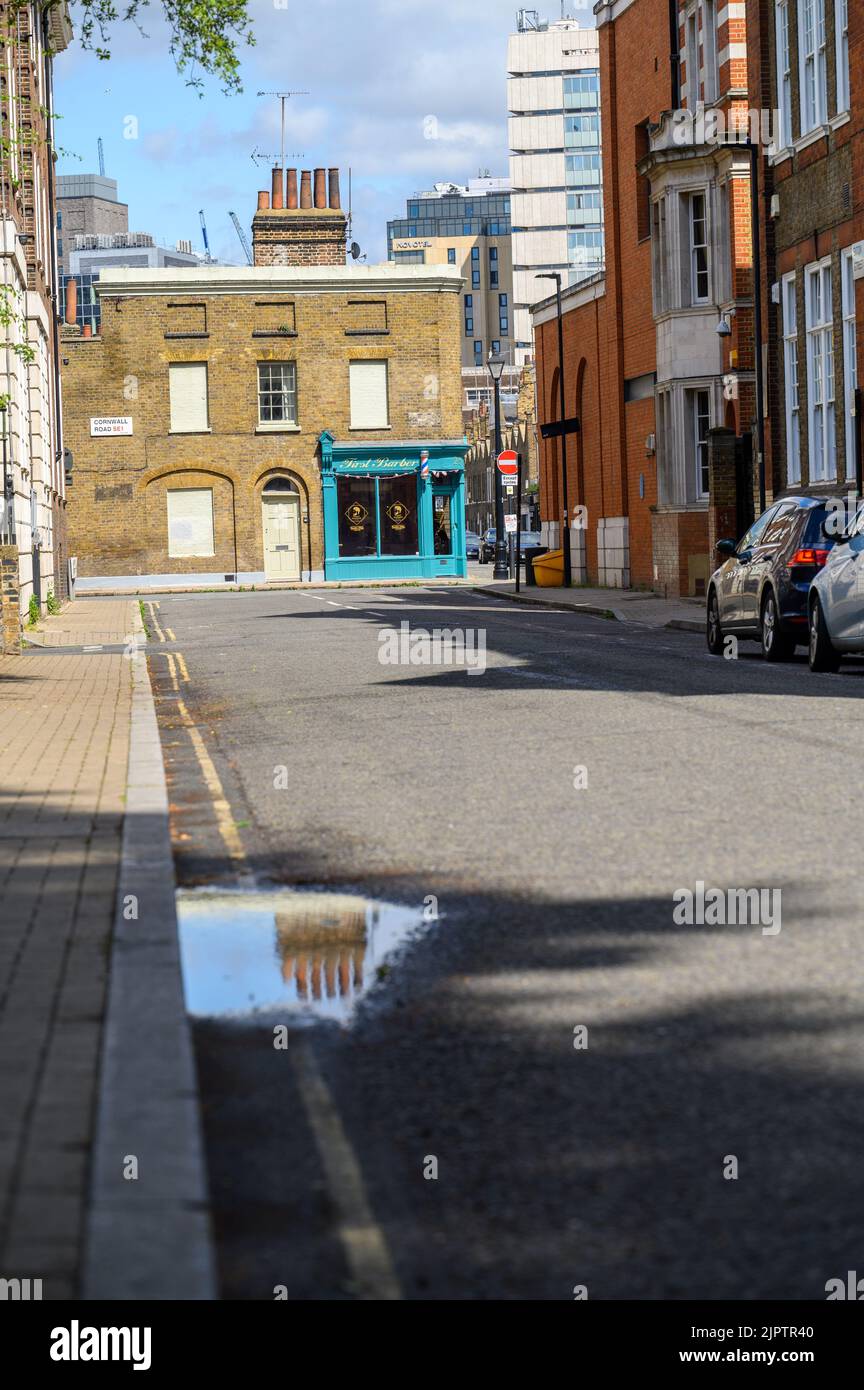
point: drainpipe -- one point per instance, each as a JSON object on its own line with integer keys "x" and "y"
{"x": 675, "y": 53}
{"x": 55, "y": 272}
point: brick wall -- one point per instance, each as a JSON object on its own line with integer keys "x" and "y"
{"x": 10, "y": 616}
{"x": 117, "y": 506}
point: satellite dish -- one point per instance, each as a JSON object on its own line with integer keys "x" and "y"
{"x": 355, "y": 251}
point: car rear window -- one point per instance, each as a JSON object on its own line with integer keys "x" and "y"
{"x": 813, "y": 535}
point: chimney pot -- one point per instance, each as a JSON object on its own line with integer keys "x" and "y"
{"x": 277, "y": 197}
{"x": 71, "y": 301}
{"x": 263, "y": 201}
{"x": 335, "y": 199}
{"x": 87, "y": 331}
{"x": 305, "y": 189}
{"x": 320, "y": 188}
{"x": 292, "y": 200}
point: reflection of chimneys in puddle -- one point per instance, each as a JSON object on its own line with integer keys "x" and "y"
{"x": 324, "y": 949}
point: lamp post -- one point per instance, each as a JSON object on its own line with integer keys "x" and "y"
{"x": 568, "y": 559}
{"x": 496, "y": 365}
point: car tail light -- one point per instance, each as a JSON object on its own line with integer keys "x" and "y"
{"x": 809, "y": 559}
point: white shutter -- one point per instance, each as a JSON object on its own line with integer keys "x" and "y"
{"x": 188, "y": 391}
{"x": 190, "y": 522}
{"x": 369, "y": 407}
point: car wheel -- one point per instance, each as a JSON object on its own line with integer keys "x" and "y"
{"x": 776, "y": 644}
{"x": 714, "y": 630}
{"x": 823, "y": 655}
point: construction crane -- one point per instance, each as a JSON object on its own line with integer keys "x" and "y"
{"x": 101, "y": 157}
{"x": 204, "y": 234}
{"x": 241, "y": 234}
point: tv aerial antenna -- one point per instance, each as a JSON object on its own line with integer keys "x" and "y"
{"x": 283, "y": 97}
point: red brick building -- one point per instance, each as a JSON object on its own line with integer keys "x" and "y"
{"x": 646, "y": 369}
{"x": 806, "y": 61}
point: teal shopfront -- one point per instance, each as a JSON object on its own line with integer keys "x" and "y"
{"x": 393, "y": 511}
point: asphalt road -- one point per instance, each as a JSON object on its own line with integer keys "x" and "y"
{"x": 607, "y": 1166}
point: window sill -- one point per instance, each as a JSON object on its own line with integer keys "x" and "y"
{"x": 175, "y": 336}
{"x": 273, "y": 333}
{"x": 277, "y": 427}
{"x": 179, "y": 433}
{"x": 367, "y": 332}
{"x": 368, "y": 429}
{"x": 819, "y": 132}
{"x": 842, "y": 118}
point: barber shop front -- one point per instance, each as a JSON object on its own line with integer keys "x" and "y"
{"x": 393, "y": 511}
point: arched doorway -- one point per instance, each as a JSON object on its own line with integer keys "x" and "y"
{"x": 280, "y": 524}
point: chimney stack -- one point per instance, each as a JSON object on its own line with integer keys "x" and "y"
{"x": 71, "y": 301}
{"x": 313, "y": 233}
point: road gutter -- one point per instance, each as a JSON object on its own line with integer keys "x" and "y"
{"x": 147, "y": 1237}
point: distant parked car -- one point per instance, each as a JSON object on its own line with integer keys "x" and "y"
{"x": 529, "y": 540}
{"x": 760, "y": 592}
{"x": 472, "y": 545}
{"x": 836, "y": 601}
{"x": 487, "y": 546}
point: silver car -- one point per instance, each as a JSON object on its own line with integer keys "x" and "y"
{"x": 836, "y": 602}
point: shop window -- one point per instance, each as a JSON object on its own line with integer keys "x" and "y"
{"x": 357, "y": 520}
{"x": 443, "y": 520}
{"x": 397, "y": 500}
{"x": 190, "y": 523}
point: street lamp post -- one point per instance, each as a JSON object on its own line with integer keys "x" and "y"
{"x": 568, "y": 558}
{"x": 502, "y": 569}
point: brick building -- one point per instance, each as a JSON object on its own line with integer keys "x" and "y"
{"x": 32, "y": 521}
{"x": 519, "y": 432}
{"x": 293, "y": 420}
{"x": 806, "y": 62}
{"x": 646, "y": 370}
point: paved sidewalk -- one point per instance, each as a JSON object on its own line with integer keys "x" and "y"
{"x": 64, "y": 745}
{"x": 620, "y": 605}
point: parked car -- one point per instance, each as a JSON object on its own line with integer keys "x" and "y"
{"x": 836, "y": 601}
{"x": 760, "y": 592}
{"x": 487, "y": 546}
{"x": 529, "y": 540}
{"x": 472, "y": 545}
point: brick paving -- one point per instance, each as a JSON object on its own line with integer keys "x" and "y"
{"x": 64, "y": 743}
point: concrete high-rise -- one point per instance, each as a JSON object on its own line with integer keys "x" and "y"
{"x": 553, "y": 96}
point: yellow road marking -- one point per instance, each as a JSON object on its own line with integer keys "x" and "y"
{"x": 169, "y": 632}
{"x": 363, "y": 1240}
{"x": 159, "y": 633}
{"x": 184, "y": 669}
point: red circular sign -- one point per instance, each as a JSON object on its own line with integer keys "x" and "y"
{"x": 508, "y": 463}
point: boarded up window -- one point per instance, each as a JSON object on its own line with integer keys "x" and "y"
{"x": 366, "y": 316}
{"x": 190, "y": 523}
{"x": 369, "y": 403}
{"x": 274, "y": 317}
{"x": 188, "y": 392}
{"x": 185, "y": 320}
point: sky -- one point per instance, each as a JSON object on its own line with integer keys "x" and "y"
{"x": 375, "y": 71}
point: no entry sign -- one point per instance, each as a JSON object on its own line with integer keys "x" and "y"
{"x": 508, "y": 463}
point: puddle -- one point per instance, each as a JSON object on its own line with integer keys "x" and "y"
{"x": 314, "y": 955}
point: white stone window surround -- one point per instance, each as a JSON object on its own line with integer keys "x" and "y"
{"x": 821, "y": 405}
{"x": 672, "y": 271}
{"x": 812, "y": 64}
{"x": 841, "y": 38}
{"x": 850, "y": 358}
{"x": 678, "y": 482}
{"x": 791, "y": 382}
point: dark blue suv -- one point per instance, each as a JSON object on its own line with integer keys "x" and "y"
{"x": 760, "y": 591}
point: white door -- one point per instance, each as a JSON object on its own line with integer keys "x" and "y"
{"x": 281, "y": 517}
